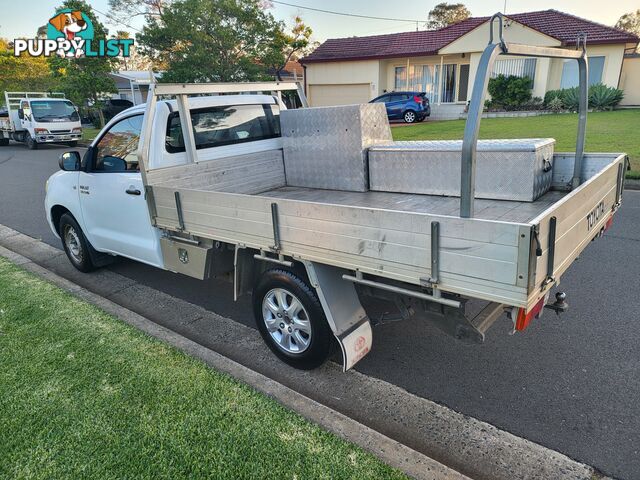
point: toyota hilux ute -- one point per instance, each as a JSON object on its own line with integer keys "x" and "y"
{"x": 310, "y": 214}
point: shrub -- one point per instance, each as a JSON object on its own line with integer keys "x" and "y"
{"x": 550, "y": 95}
{"x": 602, "y": 97}
{"x": 509, "y": 92}
{"x": 536, "y": 103}
{"x": 570, "y": 98}
{"x": 555, "y": 105}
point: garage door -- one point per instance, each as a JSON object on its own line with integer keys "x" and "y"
{"x": 339, "y": 94}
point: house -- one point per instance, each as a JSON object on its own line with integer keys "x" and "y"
{"x": 291, "y": 72}
{"x": 132, "y": 85}
{"x": 443, "y": 62}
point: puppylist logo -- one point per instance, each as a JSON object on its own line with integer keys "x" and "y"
{"x": 70, "y": 34}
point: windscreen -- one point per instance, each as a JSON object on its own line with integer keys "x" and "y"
{"x": 53, "y": 110}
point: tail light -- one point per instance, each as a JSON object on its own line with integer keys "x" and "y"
{"x": 524, "y": 318}
{"x": 607, "y": 225}
{"x": 417, "y": 98}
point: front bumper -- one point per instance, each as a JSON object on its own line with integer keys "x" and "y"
{"x": 58, "y": 138}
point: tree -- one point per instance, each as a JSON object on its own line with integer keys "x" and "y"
{"x": 630, "y": 22}
{"x": 296, "y": 42}
{"x": 23, "y": 73}
{"x": 445, "y": 14}
{"x": 214, "y": 41}
{"x": 125, "y": 9}
{"x": 85, "y": 79}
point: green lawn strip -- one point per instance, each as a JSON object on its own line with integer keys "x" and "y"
{"x": 89, "y": 134}
{"x": 616, "y": 131}
{"x": 83, "y": 395}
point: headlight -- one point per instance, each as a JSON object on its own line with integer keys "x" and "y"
{"x": 41, "y": 130}
{"x": 76, "y": 130}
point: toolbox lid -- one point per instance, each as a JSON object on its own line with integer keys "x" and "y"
{"x": 494, "y": 145}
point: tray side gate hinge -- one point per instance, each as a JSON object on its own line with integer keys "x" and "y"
{"x": 276, "y": 227}
{"x": 179, "y": 210}
{"x": 551, "y": 252}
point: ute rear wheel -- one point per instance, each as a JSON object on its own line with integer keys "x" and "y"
{"x": 290, "y": 319}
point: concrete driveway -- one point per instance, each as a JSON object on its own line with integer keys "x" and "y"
{"x": 570, "y": 383}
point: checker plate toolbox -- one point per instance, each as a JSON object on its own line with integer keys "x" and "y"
{"x": 326, "y": 147}
{"x": 506, "y": 169}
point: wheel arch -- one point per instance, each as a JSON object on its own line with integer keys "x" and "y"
{"x": 56, "y": 214}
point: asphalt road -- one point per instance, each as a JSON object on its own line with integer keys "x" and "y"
{"x": 570, "y": 383}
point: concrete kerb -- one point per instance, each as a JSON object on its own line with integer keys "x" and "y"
{"x": 466, "y": 444}
{"x": 411, "y": 462}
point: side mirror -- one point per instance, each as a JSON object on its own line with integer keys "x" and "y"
{"x": 69, "y": 161}
{"x": 21, "y": 114}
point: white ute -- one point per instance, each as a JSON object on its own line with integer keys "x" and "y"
{"x": 203, "y": 185}
{"x": 39, "y": 117}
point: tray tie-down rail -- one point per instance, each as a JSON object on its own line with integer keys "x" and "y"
{"x": 476, "y": 106}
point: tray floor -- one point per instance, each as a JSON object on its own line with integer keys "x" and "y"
{"x": 502, "y": 210}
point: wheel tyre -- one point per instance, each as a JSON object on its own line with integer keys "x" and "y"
{"x": 75, "y": 244}
{"x": 320, "y": 339}
{"x": 31, "y": 143}
{"x": 4, "y": 142}
{"x": 72, "y": 144}
{"x": 409, "y": 116}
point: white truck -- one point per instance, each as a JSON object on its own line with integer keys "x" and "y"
{"x": 39, "y": 117}
{"x": 207, "y": 185}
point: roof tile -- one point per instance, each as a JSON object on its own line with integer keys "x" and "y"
{"x": 560, "y": 25}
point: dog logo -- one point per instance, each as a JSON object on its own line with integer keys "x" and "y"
{"x": 359, "y": 344}
{"x": 70, "y": 34}
{"x": 72, "y": 26}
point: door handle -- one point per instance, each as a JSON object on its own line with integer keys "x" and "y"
{"x": 132, "y": 191}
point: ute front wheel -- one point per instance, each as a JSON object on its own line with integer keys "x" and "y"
{"x": 75, "y": 244}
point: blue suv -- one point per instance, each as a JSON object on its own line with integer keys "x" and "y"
{"x": 408, "y": 106}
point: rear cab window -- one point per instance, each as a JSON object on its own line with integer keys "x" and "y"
{"x": 225, "y": 125}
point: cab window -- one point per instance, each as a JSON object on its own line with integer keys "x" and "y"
{"x": 117, "y": 150}
{"x": 225, "y": 125}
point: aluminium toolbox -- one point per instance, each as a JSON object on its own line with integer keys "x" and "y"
{"x": 518, "y": 169}
{"x": 326, "y": 147}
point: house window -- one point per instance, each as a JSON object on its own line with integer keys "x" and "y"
{"x": 519, "y": 67}
{"x": 449, "y": 83}
{"x": 570, "y": 72}
{"x": 401, "y": 78}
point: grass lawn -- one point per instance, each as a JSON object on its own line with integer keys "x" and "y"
{"x": 617, "y": 131}
{"x": 83, "y": 395}
{"x": 89, "y": 134}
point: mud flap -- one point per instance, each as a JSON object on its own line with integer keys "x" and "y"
{"x": 347, "y": 319}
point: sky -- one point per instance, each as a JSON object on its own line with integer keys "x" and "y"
{"x": 23, "y": 17}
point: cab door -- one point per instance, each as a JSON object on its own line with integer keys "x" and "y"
{"x": 112, "y": 199}
{"x": 26, "y": 122}
{"x": 395, "y": 105}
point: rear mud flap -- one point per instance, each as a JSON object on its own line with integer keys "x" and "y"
{"x": 347, "y": 319}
